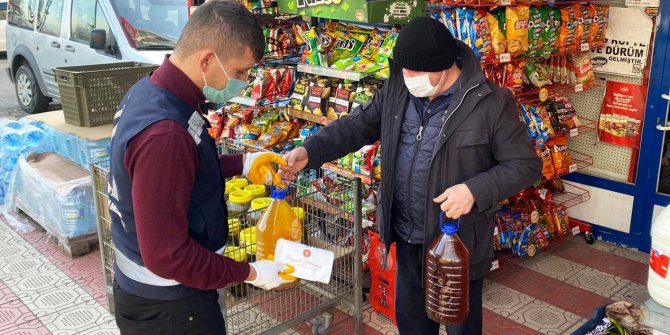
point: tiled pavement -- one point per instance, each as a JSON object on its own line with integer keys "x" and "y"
{"x": 42, "y": 291}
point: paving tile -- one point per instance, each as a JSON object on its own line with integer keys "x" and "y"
{"x": 495, "y": 324}
{"x": 597, "y": 244}
{"x": 552, "y": 291}
{"x": 602, "y": 261}
{"x": 545, "y": 318}
{"x": 633, "y": 292}
{"x": 598, "y": 282}
{"x": 502, "y": 300}
{"x": 555, "y": 267}
{"x": 638, "y": 256}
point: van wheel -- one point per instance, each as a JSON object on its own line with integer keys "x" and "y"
{"x": 28, "y": 92}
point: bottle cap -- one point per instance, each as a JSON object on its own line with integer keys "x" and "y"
{"x": 448, "y": 226}
{"x": 256, "y": 190}
{"x": 239, "y": 182}
{"x": 240, "y": 197}
{"x": 278, "y": 193}
{"x": 260, "y": 203}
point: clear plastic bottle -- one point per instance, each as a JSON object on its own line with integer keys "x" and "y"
{"x": 447, "y": 276}
{"x": 278, "y": 221}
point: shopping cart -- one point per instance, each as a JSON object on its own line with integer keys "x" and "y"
{"x": 332, "y": 221}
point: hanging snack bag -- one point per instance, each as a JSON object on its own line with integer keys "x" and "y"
{"x": 591, "y": 25}
{"x": 517, "y": 29}
{"x": 498, "y": 42}
{"x": 462, "y": 26}
{"x": 583, "y": 68}
{"x": 300, "y": 92}
{"x": 315, "y": 56}
{"x": 448, "y": 18}
{"x": 527, "y": 116}
{"x": 536, "y": 34}
{"x": 536, "y": 74}
{"x": 317, "y": 101}
{"x": 548, "y": 171}
{"x": 552, "y": 30}
{"x": 514, "y": 76}
{"x": 376, "y": 41}
{"x": 560, "y": 155}
{"x": 386, "y": 49}
{"x": 347, "y": 44}
{"x": 482, "y": 35}
{"x": 572, "y": 28}
{"x": 602, "y": 17}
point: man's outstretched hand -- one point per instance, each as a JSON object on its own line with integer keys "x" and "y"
{"x": 296, "y": 160}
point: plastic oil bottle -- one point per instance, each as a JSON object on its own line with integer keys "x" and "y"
{"x": 447, "y": 276}
{"x": 278, "y": 221}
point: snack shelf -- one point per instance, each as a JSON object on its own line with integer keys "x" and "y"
{"x": 501, "y": 3}
{"x": 367, "y": 180}
{"x": 586, "y": 126}
{"x": 507, "y": 58}
{"x": 318, "y": 119}
{"x": 533, "y": 95}
{"x": 331, "y": 72}
{"x": 245, "y": 101}
{"x": 575, "y": 196}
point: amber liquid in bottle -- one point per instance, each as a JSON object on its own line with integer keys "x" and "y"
{"x": 447, "y": 277}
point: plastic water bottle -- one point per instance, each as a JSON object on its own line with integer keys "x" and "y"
{"x": 11, "y": 139}
{"x": 447, "y": 276}
{"x": 658, "y": 281}
{"x": 32, "y": 135}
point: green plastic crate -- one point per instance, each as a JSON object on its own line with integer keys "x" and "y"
{"x": 91, "y": 94}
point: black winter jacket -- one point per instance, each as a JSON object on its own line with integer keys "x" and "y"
{"x": 482, "y": 144}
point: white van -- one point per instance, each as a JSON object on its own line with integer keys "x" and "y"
{"x": 3, "y": 25}
{"x": 46, "y": 34}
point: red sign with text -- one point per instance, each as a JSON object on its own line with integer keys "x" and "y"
{"x": 622, "y": 114}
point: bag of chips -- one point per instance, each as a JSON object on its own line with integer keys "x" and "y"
{"x": 315, "y": 53}
{"x": 347, "y": 44}
{"x": 590, "y": 19}
{"x": 498, "y": 42}
{"x": 536, "y": 36}
{"x": 514, "y": 76}
{"x": 462, "y": 26}
{"x": 516, "y": 21}
{"x": 448, "y": 18}
{"x": 328, "y": 38}
{"x": 583, "y": 68}
{"x": 344, "y": 98}
{"x": 480, "y": 34}
{"x": 552, "y": 29}
{"x": 548, "y": 171}
{"x": 300, "y": 92}
{"x": 319, "y": 92}
{"x": 536, "y": 74}
{"x": 572, "y": 28}
{"x": 560, "y": 155}
{"x": 363, "y": 159}
{"x": 602, "y": 17}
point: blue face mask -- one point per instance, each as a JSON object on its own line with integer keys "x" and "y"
{"x": 233, "y": 88}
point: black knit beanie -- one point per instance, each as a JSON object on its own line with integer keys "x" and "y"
{"x": 425, "y": 45}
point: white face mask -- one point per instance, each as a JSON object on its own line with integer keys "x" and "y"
{"x": 420, "y": 87}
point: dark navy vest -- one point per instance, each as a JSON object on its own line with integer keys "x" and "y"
{"x": 142, "y": 106}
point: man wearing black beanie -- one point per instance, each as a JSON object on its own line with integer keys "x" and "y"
{"x": 452, "y": 143}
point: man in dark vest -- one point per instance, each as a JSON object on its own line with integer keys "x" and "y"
{"x": 452, "y": 143}
{"x": 166, "y": 181}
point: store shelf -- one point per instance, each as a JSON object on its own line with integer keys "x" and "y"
{"x": 331, "y": 72}
{"x": 575, "y": 196}
{"x": 533, "y": 95}
{"x": 500, "y": 3}
{"x": 245, "y": 101}
{"x": 585, "y": 126}
{"x": 507, "y": 58}
{"x": 367, "y": 180}
{"x": 319, "y": 119}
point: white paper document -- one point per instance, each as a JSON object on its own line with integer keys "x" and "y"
{"x": 309, "y": 263}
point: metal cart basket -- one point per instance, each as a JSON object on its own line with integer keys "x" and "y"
{"x": 332, "y": 221}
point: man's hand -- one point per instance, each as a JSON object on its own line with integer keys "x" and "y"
{"x": 267, "y": 274}
{"x": 456, "y": 201}
{"x": 259, "y": 170}
{"x": 296, "y": 161}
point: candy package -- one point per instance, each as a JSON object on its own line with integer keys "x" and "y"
{"x": 572, "y": 28}
{"x": 560, "y": 155}
{"x": 363, "y": 159}
{"x": 583, "y": 68}
{"x": 498, "y": 42}
{"x": 548, "y": 170}
{"x": 516, "y": 21}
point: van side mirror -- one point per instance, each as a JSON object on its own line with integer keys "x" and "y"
{"x": 98, "y": 38}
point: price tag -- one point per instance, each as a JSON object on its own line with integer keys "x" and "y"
{"x": 579, "y": 88}
{"x": 324, "y": 120}
{"x": 585, "y": 47}
{"x": 495, "y": 265}
{"x": 575, "y": 230}
{"x": 572, "y": 168}
{"x": 574, "y": 132}
{"x": 506, "y": 57}
{"x": 505, "y": 2}
{"x": 308, "y": 68}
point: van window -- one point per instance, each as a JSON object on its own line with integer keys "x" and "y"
{"x": 86, "y": 16}
{"x": 50, "y": 16}
{"x": 152, "y": 24}
{"x": 21, "y": 13}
